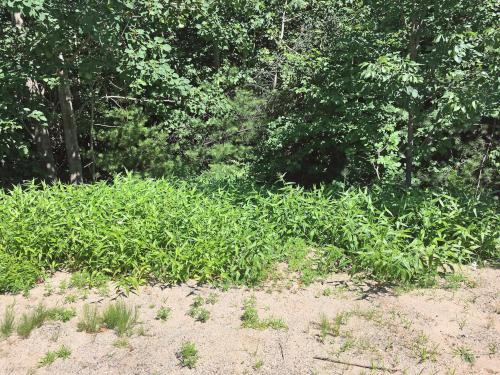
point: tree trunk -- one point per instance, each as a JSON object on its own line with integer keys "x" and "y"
{"x": 17, "y": 19}
{"x": 41, "y": 135}
{"x": 69, "y": 125}
{"x": 216, "y": 50}
{"x": 282, "y": 35}
{"x": 44, "y": 151}
{"x": 413, "y": 49}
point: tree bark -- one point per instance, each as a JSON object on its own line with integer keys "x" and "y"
{"x": 44, "y": 150}
{"x": 69, "y": 126}
{"x": 282, "y": 35}
{"x": 17, "y": 19}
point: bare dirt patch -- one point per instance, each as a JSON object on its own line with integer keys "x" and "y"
{"x": 337, "y": 326}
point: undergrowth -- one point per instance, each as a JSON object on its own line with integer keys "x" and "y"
{"x": 136, "y": 230}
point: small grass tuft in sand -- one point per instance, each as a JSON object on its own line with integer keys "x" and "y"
{"x": 120, "y": 317}
{"x": 188, "y": 355}
{"x": 63, "y": 352}
{"x": 121, "y": 343}
{"x": 7, "y": 322}
{"x": 327, "y": 327}
{"x": 163, "y": 313}
{"x": 251, "y": 319}
{"x": 465, "y": 353}
{"x": 197, "y": 312}
{"x": 91, "y": 320}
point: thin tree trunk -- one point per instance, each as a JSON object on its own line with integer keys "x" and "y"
{"x": 44, "y": 150}
{"x": 70, "y": 129}
{"x": 41, "y": 136}
{"x": 414, "y": 42}
{"x": 282, "y": 35}
{"x": 17, "y": 19}
{"x": 216, "y": 54}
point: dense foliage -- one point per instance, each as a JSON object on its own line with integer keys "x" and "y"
{"x": 139, "y": 230}
{"x": 319, "y": 90}
{"x": 384, "y": 113}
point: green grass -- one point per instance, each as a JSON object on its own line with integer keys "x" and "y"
{"x": 328, "y": 327}
{"x": 250, "y": 317}
{"x": 7, "y": 322}
{"x": 120, "y": 317}
{"x": 51, "y": 356}
{"x": 34, "y": 319}
{"x": 91, "y": 321}
{"x": 188, "y": 355}
{"x": 465, "y": 353}
{"x": 136, "y": 230}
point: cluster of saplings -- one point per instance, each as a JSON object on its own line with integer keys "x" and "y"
{"x": 137, "y": 231}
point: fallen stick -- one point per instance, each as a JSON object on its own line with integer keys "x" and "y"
{"x": 374, "y": 367}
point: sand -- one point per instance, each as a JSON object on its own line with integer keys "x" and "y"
{"x": 380, "y": 330}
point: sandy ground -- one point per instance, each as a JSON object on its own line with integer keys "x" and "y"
{"x": 380, "y": 330}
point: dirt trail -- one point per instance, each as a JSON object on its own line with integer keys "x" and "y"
{"x": 452, "y": 330}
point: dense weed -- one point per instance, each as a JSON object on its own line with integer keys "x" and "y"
{"x": 136, "y": 229}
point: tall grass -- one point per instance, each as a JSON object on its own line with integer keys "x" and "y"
{"x": 140, "y": 229}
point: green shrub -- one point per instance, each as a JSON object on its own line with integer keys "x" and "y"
{"x": 139, "y": 229}
{"x": 16, "y": 274}
{"x": 250, "y": 317}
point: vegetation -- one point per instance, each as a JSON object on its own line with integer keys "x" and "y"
{"x": 197, "y": 312}
{"x": 50, "y": 357}
{"x": 188, "y": 355}
{"x": 465, "y": 354}
{"x": 250, "y": 317}
{"x": 91, "y": 320}
{"x": 120, "y": 317}
{"x": 34, "y": 319}
{"x": 7, "y": 322}
{"x": 220, "y": 138}
{"x": 121, "y": 342}
{"x": 163, "y": 313}
{"x": 140, "y": 229}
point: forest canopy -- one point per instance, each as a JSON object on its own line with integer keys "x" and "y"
{"x": 357, "y": 92}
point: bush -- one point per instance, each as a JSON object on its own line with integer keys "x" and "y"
{"x": 138, "y": 229}
{"x": 16, "y": 274}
